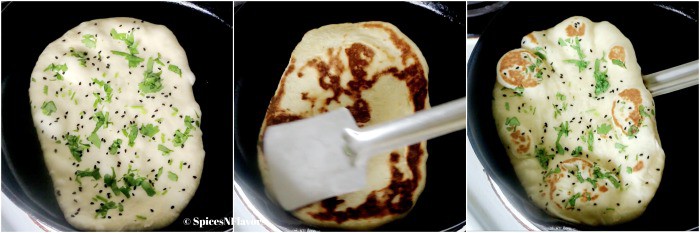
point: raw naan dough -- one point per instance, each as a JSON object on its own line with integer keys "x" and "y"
{"x": 77, "y": 82}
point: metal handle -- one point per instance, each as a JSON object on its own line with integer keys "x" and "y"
{"x": 423, "y": 125}
{"x": 673, "y": 79}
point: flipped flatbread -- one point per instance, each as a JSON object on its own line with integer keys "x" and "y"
{"x": 379, "y": 74}
{"x": 578, "y": 123}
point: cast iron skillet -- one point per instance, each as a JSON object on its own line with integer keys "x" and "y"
{"x": 266, "y": 34}
{"x": 662, "y": 39}
{"x": 29, "y": 27}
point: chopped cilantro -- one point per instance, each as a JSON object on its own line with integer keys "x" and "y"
{"x": 507, "y": 106}
{"x": 518, "y": 91}
{"x": 94, "y": 139}
{"x": 632, "y": 130}
{"x": 106, "y": 87}
{"x": 175, "y": 69}
{"x": 104, "y": 207}
{"x": 604, "y": 129}
{"x": 150, "y": 191}
{"x": 552, "y": 171}
{"x": 131, "y": 133}
{"x": 563, "y": 130}
{"x": 601, "y": 79}
{"x": 561, "y": 97}
{"x": 172, "y": 176}
{"x": 590, "y": 140}
{"x": 76, "y": 146}
{"x": 620, "y": 147}
{"x": 116, "y": 145}
{"x": 577, "y": 152}
{"x": 149, "y": 130}
{"x": 512, "y": 122}
{"x": 160, "y": 171}
{"x": 131, "y": 45}
{"x": 619, "y": 63}
{"x": 579, "y": 177}
{"x": 82, "y": 56}
{"x": 46, "y": 90}
{"x": 48, "y": 107}
{"x": 139, "y": 217}
{"x": 543, "y": 157}
{"x": 181, "y": 138}
{"x": 572, "y": 200}
{"x": 629, "y": 170}
{"x": 89, "y": 41}
{"x": 95, "y": 174}
{"x": 164, "y": 149}
{"x": 643, "y": 112}
{"x": 152, "y": 81}
{"x": 58, "y": 69}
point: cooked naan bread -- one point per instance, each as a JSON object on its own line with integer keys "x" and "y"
{"x": 113, "y": 107}
{"x": 578, "y": 124}
{"x": 379, "y": 74}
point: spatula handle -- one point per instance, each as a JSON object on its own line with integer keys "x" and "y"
{"x": 672, "y": 79}
{"x": 423, "y": 125}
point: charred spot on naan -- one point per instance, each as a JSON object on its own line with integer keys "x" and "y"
{"x": 521, "y": 140}
{"x": 617, "y": 53}
{"x": 531, "y": 37}
{"x": 625, "y": 111}
{"x": 394, "y": 199}
{"x": 576, "y": 29}
{"x": 514, "y": 69}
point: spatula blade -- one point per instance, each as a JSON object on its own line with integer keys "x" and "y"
{"x": 306, "y": 161}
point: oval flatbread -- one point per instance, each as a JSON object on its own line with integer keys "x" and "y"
{"x": 113, "y": 107}
{"x": 578, "y": 123}
{"x": 379, "y": 74}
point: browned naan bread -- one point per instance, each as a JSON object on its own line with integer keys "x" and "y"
{"x": 379, "y": 74}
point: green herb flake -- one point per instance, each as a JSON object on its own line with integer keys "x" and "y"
{"x": 48, "y": 108}
{"x": 165, "y": 150}
{"x": 94, "y": 139}
{"x": 172, "y": 176}
{"x": 116, "y": 145}
{"x": 175, "y": 69}
{"x": 46, "y": 90}
{"x": 543, "y": 157}
{"x": 131, "y": 133}
{"x": 76, "y": 146}
{"x": 140, "y": 217}
{"x": 95, "y": 174}
{"x": 181, "y": 137}
{"x": 152, "y": 81}
{"x": 629, "y": 170}
{"x": 507, "y": 106}
{"x": 619, "y": 63}
{"x": 561, "y": 97}
{"x": 604, "y": 129}
{"x": 89, "y": 41}
{"x": 577, "y": 152}
{"x": 511, "y": 123}
{"x": 643, "y": 112}
{"x": 563, "y": 130}
{"x": 572, "y": 200}
{"x": 601, "y": 79}
{"x": 590, "y": 140}
{"x": 149, "y": 130}
{"x": 620, "y": 147}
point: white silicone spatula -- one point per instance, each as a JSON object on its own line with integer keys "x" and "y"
{"x": 325, "y": 156}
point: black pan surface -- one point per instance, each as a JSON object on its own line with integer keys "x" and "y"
{"x": 266, "y": 34}
{"x": 28, "y": 27}
{"x": 662, "y": 39}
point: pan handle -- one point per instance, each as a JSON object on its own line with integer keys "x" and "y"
{"x": 426, "y": 124}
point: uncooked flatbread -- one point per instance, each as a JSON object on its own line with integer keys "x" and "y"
{"x": 113, "y": 107}
{"x": 379, "y": 74}
{"x": 578, "y": 123}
